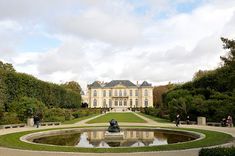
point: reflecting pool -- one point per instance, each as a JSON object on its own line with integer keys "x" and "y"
{"x": 96, "y": 138}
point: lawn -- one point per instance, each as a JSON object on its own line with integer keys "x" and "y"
{"x": 120, "y": 117}
{"x": 157, "y": 119}
{"x": 78, "y": 119}
{"x": 212, "y": 138}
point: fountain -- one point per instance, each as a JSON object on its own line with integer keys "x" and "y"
{"x": 114, "y": 131}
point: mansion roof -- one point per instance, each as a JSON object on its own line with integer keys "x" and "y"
{"x": 127, "y": 83}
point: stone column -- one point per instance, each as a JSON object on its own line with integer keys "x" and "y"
{"x": 201, "y": 120}
{"x": 30, "y": 122}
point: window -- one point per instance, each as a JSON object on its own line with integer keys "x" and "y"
{"x": 104, "y": 93}
{"x": 136, "y": 92}
{"x": 110, "y": 103}
{"x": 110, "y": 92}
{"x": 145, "y": 92}
{"x": 130, "y": 92}
{"x": 104, "y": 103}
{"x": 130, "y": 102}
{"x": 124, "y": 92}
{"x": 125, "y": 102}
{"x": 136, "y": 102}
{"x": 116, "y": 93}
{"x": 120, "y": 92}
{"x": 120, "y": 103}
{"x": 95, "y": 103}
{"x": 116, "y": 103}
{"x": 95, "y": 93}
{"x": 146, "y": 103}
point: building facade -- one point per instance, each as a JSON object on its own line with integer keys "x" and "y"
{"x": 119, "y": 94}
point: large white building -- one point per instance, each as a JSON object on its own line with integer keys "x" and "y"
{"x": 119, "y": 94}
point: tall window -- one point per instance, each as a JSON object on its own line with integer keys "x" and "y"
{"x": 130, "y": 102}
{"x": 94, "y": 102}
{"x": 116, "y": 102}
{"x": 110, "y": 103}
{"x": 116, "y": 92}
{"x": 130, "y": 92}
{"x": 146, "y": 103}
{"x": 125, "y": 102}
{"x": 136, "y": 102}
{"x": 104, "y": 93}
{"x": 104, "y": 103}
{"x": 145, "y": 92}
{"x": 120, "y": 103}
{"x": 120, "y": 92}
{"x": 136, "y": 92}
{"x": 95, "y": 93}
{"x": 110, "y": 92}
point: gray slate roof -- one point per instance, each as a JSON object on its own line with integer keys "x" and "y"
{"x": 126, "y": 83}
{"x": 95, "y": 84}
{"x": 146, "y": 84}
{"x": 113, "y": 83}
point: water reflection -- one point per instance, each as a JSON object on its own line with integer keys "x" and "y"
{"x": 97, "y": 139}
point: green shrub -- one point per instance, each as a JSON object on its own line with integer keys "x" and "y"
{"x": 9, "y": 118}
{"x": 54, "y": 115}
{"x": 27, "y": 107}
{"x": 218, "y": 152}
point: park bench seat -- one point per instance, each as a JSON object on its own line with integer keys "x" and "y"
{"x": 50, "y": 123}
{"x": 12, "y": 126}
{"x": 218, "y": 124}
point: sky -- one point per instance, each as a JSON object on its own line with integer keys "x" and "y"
{"x": 159, "y": 41}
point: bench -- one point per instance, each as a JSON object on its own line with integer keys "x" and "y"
{"x": 12, "y": 126}
{"x": 50, "y": 123}
{"x": 218, "y": 124}
{"x": 190, "y": 122}
{"x": 185, "y": 122}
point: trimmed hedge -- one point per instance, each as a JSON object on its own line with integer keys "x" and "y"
{"x": 219, "y": 151}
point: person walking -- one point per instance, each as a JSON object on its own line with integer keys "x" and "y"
{"x": 230, "y": 121}
{"x": 36, "y": 120}
{"x": 177, "y": 121}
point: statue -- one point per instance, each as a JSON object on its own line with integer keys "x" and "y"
{"x": 113, "y": 126}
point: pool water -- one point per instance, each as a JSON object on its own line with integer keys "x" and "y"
{"x": 131, "y": 138}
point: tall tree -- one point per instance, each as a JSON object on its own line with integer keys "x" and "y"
{"x": 73, "y": 85}
{"x": 229, "y": 59}
{"x": 7, "y": 66}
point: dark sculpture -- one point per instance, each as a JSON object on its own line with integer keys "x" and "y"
{"x": 113, "y": 128}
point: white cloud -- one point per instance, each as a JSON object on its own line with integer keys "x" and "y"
{"x": 105, "y": 40}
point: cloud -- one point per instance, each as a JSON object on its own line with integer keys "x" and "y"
{"x": 105, "y": 40}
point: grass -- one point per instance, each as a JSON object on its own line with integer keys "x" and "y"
{"x": 212, "y": 138}
{"x": 79, "y": 119}
{"x": 120, "y": 117}
{"x": 157, "y": 119}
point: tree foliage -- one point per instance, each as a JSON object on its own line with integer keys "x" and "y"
{"x": 14, "y": 86}
{"x": 210, "y": 93}
{"x": 73, "y": 86}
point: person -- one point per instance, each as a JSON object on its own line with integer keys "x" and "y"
{"x": 230, "y": 121}
{"x": 36, "y": 120}
{"x": 188, "y": 120}
{"x": 177, "y": 120}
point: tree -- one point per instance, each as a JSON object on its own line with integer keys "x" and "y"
{"x": 27, "y": 107}
{"x": 73, "y": 85}
{"x": 7, "y": 66}
{"x": 201, "y": 73}
{"x": 229, "y": 59}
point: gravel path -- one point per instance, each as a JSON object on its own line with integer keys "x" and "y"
{"x": 189, "y": 152}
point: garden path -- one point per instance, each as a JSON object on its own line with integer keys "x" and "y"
{"x": 189, "y": 152}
